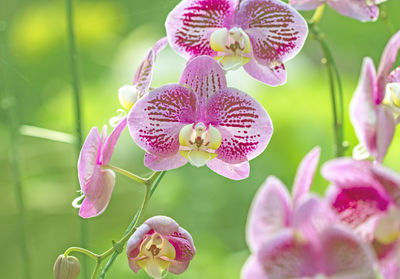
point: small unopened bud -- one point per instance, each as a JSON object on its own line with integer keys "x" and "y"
{"x": 66, "y": 267}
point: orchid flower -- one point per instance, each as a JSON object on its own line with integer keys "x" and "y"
{"x": 300, "y": 237}
{"x": 200, "y": 121}
{"x": 259, "y": 34}
{"x": 96, "y": 182}
{"x": 375, "y": 107}
{"x": 363, "y": 10}
{"x": 366, "y": 197}
{"x": 129, "y": 94}
{"x": 160, "y": 245}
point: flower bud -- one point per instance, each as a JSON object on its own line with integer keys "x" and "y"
{"x": 66, "y": 267}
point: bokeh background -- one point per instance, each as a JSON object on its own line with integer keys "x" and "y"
{"x": 112, "y": 38}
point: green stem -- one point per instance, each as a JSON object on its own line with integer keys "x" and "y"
{"x": 384, "y": 16}
{"x": 335, "y": 90}
{"x": 9, "y": 105}
{"x": 126, "y": 173}
{"x": 78, "y": 120}
{"x": 319, "y": 12}
{"x": 156, "y": 179}
{"x": 81, "y": 250}
{"x": 96, "y": 269}
{"x": 42, "y": 133}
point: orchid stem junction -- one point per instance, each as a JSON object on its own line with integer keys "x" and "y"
{"x": 335, "y": 82}
{"x": 151, "y": 184}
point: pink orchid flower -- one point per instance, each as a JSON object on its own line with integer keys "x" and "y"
{"x": 375, "y": 107}
{"x": 363, "y": 10}
{"x": 200, "y": 121}
{"x": 366, "y": 197}
{"x": 300, "y": 237}
{"x": 160, "y": 245}
{"x": 96, "y": 182}
{"x": 129, "y": 94}
{"x": 259, "y": 34}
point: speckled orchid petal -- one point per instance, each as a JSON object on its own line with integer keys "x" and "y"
{"x": 232, "y": 171}
{"x": 305, "y": 174}
{"x": 288, "y": 255}
{"x": 160, "y": 245}
{"x": 345, "y": 256}
{"x": 362, "y": 10}
{"x": 205, "y": 77}
{"x": 306, "y": 4}
{"x": 277, "y": 31}
{"x": 161, "y": 114}
{"x": 191, "y": 23}
{"x": 144, "y": 73}
{"x": 253, "y": 269}
{"x": 273, "y": 75}
{"x": 386, "y": 126}
{"x": 363, "y": 112}
{"x": 243, "y": 123}
{"x": 158, "y": 163}
{"x": 386, "y": 64}
{"x": 269, "y": 213}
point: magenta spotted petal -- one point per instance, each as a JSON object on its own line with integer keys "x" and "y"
{"x": 160, "y": 245}
{"x": 260, "y": 34}
{"x": 97, "y": 183}
{"x": 359, "y": 9}
{"x": 200, "y": 121}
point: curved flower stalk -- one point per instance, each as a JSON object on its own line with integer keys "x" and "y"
{"x": 96, "y": 182}
{"x": 160, "y": 245}
{"x": 366, "y": 197}
{"x": 362, "y": 10}
{"x": 375, "y": 107}
{"x": 200, "y": 121}
{"x": 301, "y": 237}
{"x": 129, "y": 94}
{"x": 259, "y": 34}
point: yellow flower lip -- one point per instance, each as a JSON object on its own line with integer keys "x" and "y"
{"x": 233, "y": 47}
{"x": 388, "y": 227}
{"x": 392, "y": 98}
{"x": 199, "y": 143}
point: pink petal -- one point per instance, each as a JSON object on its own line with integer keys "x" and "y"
{"x": 269, "y": 212}
{"x": 272, "y": 76}
{"x": 312, "y": 216}
{"x": 358, "y": 9}
{"x": 89, "y": 156}
{"x": 347, "y": 173}
{"x": 305, "y": 174}
{"x": 306, "y": 4}
{"x": 243, "y": 123}
{"x": 191, "y": 22}
{"x": 386, "y": 124}
{"x": 253, "y": 269}
{"x": 345, "y": 256}
{"x": 183, "y": 243}
{"x": 363, "y": 113}
{"x": 144, "y": 73}
{"x": 156, "y": 119}
{"x": 390, "y": 180}
{"x": 178, "y": 267}
{"x": 285, "y": 256}
{"x": 277, "y": 31}
{"x": 389, "y": 267}
{"x": 97, "y": 192}
{"x": 163, "y": 225}
{"x": 112, "y": 141}
{"x": 164, "y": 163}
{"x": 386, "y": 65}
{"x": 232, "y": 171}
{"x": 205, "y": 77}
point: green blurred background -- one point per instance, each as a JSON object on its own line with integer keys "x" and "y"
{"x": 112, "y": 38}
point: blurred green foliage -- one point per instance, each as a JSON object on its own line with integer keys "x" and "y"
{"x": 112, "y": 38}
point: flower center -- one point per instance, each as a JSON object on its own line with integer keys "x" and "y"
{"x": 392, "y": 98}
{"x": 233, "y": 47}
{"x": 199, "y": 143}
{"x": 155, "y": 255}
{"x": 388, "y": 228}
